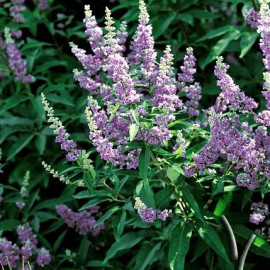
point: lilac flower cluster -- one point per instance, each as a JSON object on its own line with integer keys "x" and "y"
{"x": 131, "y": 87}
{"x": 260, "y": 211}
{"x": 83, "y": 222}
{"x": 150, "y": 215}
{"x": 17, "y": 65}
{"x": 62, "y": 137}
{"x": 244, "y": 151}
{"x": 16, "y": 11}
{"x": 244, "y": 148}
{"x": 12, "y": 253}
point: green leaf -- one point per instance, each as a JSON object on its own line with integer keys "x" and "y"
{"x": 172, "y": 174}
{"x": 9, "y": 224}
{"x": 115, "y": 109}
{"x": 217, "y": 186}
{"x": 40, "y": 143}
{"x": 93, "y": 202}
{"x": 146, "y": 256}
{"x": 82, "y": 195}
{"x": 49, "y": 64}
{"x": 160, "y": 28}
{"x": 220, "y": 47}
{"x": 119, "y": 224}
{"x": 125, "y": 242}
{"x": 163, "y": 196}
{"x": 211, "y": 238}
{"x": 84, "y": 249}
{"x": 247, "y": 41}
{"x": 259, "y": 247}
{"x": 179, "y": 245}
{"x": 133, "y": 130}
{"x": 96, "y": 263}
{"x": 196, "y": 149}
{"x": 187, "y": 18}
{"x": 144, "y": 161}
{"x": 202, "y": 14}
{"x": 216, "y": 33}
{"x": 108, "y": 214}
{"x": 59, "y": 241}
{"x": 19, "y": 145}
{"x": 188, "y": 197}
{"x": 200, "y": 248}
{"x": 12, "y": 102}
{"x": 147, "y": 195}
{"x": 223, "y": 204}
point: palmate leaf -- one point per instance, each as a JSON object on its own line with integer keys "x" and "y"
{"x": 179, "y": 245}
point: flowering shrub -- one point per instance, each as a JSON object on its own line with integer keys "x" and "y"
{"x": 146, "y": 125}
{"x": 165, "y": 175}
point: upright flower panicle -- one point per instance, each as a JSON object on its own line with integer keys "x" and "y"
{"x": 187, "y": 85}
{"x": 83, "y": 222}
{"x": 55, "y": 173}
{"x": 69, "y": 146}
{"x": 231, "y": 94}
{"x": 165, "y": 94}
{"x": 17, "y": 65}
{"x": 142, "y": 46}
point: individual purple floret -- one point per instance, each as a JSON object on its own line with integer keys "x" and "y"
{"x": 69, "y": 146}
{"x": 16, "y": 11}
{"x": 263, "y": 118}
{"x": 44, "y": 257}
{"x": 17, "y": 34}
{"x": 148, "y": 215}
{"x": 83, "y": 222}
{"x": 20, "y": 205}
{"x": 260, "y": 211}
{"x": 252, "y": 17}
{"x": 43, "y": 4}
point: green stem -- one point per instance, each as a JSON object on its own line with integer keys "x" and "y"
{"x": 113, "y": 191}
{"x": 255, "y": 4}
